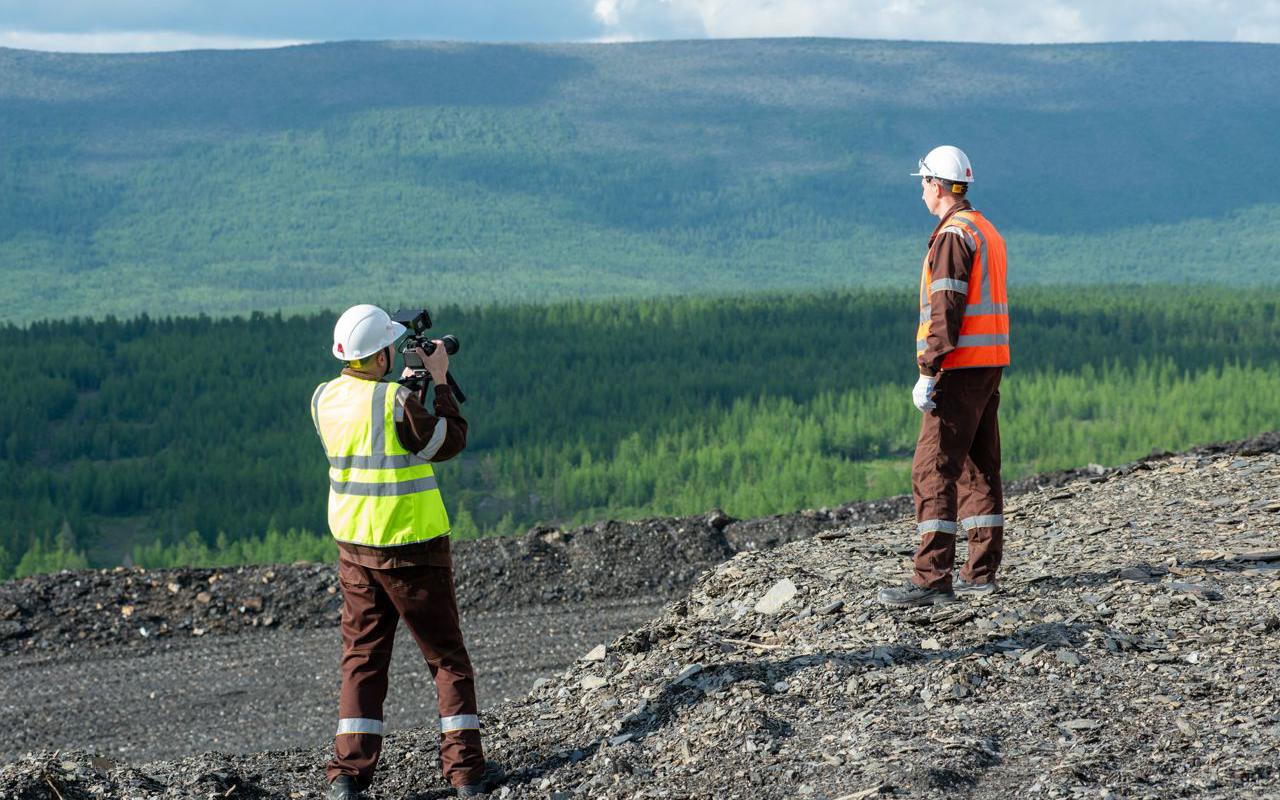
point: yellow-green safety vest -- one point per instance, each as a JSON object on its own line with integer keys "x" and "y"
{"x": 380, "y": 494}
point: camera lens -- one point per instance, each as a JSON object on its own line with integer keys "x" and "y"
{"x": 451, "y": 343}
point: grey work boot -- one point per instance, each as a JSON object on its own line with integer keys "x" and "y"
{"x": 493, "y": 775}
{"x": 343, "y": 788}
{"x": 961, "y": 586}
{"x": 909, "y": 595}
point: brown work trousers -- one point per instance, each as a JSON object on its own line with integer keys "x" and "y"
{"x": 955, "y": 479}
{"x": 373, "y": 602}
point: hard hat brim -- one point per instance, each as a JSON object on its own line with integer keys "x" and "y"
{"x": 931, "y": 175}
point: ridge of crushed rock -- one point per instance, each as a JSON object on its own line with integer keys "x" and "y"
{"x": 1131, "y": 653}
{"x": 660, "y": 558}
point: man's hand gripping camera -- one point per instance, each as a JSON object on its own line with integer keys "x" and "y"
{"x": 418, "y": 323}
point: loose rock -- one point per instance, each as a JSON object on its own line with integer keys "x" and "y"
{"x": 778, "y": 596}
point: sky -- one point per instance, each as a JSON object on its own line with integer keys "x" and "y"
{"x": 148, "y": 25}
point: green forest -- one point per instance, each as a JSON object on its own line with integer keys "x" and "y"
{"x": 293, "y": 179}
{"x": 177, "y": 440}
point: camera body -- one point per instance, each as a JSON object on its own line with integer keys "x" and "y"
{"x": 419, "y": 322}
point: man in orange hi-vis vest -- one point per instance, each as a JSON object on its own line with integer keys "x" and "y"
{"x": 962, "y": 348}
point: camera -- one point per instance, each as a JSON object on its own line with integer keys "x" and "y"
{"x": 419, "y": 322}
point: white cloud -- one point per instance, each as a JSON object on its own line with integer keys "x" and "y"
{"x": 607, "y": 12}
{"x": 313, "y": 20}
{"x": 133, "y": 41}
{"x": 990, "y": 21}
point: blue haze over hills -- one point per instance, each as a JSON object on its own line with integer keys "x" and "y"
{"x": 225, "y": 181}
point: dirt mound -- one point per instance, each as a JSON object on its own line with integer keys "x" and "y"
{"x": 655, "y": 558}
{"x": 1130, "y": 654}
{"x": 92, "y": 608}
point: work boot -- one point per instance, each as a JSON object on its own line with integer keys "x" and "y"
{"x": 493, "y": 775}
{"x": 909, "y": 595}
{"x": 961, "y": 586}
{"x": 343, "y": 788}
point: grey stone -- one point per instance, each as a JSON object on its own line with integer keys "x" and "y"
{"x": 1080, "y": 724}
{"x": 776, "y": 597}
{"x": 832, "y": 607}
{"x": 1257, "y": 555}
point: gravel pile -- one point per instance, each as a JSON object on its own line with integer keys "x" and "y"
{"x": 655, "y": 558}
{"x": 135, "y": 608}
{"x": 1131, "y": 654}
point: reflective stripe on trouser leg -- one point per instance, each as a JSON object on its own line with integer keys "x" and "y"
{"x": 460, "y": 722}
{"x": 938, "y": 525}
{"x": 360, "y": 725}
{"x": 985, "y": 521}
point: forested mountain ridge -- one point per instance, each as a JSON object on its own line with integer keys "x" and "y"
{"x": 302, "y": 177}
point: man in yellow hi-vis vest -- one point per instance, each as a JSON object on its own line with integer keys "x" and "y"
{"x": 962, "y": 348}
{"x": 394, "y": 563}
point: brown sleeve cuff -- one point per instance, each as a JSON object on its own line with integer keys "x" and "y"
{"x": 445, "y": 404}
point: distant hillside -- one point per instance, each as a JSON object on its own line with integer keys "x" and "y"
{"x": 307, "y": 176}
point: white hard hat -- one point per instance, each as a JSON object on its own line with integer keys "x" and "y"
{"x": 946, "y": 162}
{"x": 362, "y": 331}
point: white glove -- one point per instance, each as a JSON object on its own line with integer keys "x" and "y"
{"x": 922, "y": 395}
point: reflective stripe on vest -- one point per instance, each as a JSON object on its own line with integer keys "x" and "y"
{"x": 984, "y": 331}
{"x": 380, "y": 494}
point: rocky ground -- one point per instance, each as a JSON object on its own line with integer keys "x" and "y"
{"x": 1132, "y": 654}
{"x": 167, "y": 663}
{"x": 268, "y": 690}
{"x": 654, "y": 559}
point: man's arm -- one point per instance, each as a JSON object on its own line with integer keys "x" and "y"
{"x": 437, "y": 436}
{"x": 948, "y": 296}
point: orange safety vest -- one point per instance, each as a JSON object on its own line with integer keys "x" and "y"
{"x": 984, "y": 332}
